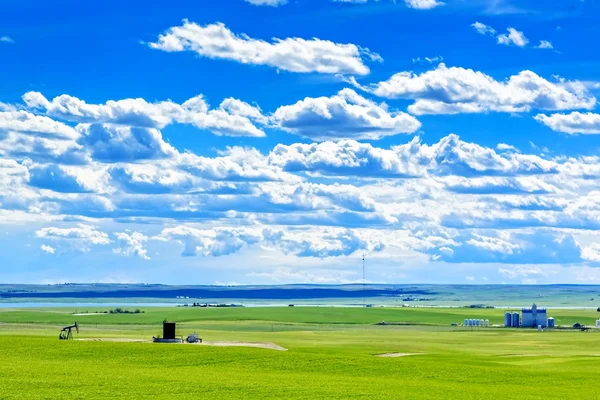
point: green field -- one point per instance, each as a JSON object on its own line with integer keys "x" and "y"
{"x": 331, "y": 354}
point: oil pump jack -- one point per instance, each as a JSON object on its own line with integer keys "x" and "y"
{"x": 66, "y": 332}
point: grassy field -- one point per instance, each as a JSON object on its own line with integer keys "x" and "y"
{"x": 331, "y": 354}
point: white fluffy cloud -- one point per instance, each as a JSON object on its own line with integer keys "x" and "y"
{"x": 450, "y": 156}
{"x": 232, "y": 118}
{"x": 513, "y": 37}
{"x": 112, "y": 143}
{"x": 47, "y": 249}
{"x": 289, "y": 275}
{"x": 573, "y": 123}
{"x": 483, "y": 29}
{"x": 523, "y": 272}
{"x": 132, "y": 244}
{"x": 27, "y": 122}
{"x": 423, "y": 4}
{"x": 345, "y": 115}
{"x": 458, "y": 90}
{"x": 213, "y": 242}
{"x": 290, "y": 54}
{"x": 314, "y": 242}
{"x": 81, "y": 237}
{"x": 545, "y": 44}
{"x": 270, "y": 3}
{"x": 513, "y": 247}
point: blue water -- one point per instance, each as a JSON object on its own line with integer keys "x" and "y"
{"x": 84, "y": 305}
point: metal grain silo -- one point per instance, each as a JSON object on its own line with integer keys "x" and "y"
{"x": 550, "y": 322}
{"x": 507, "y": 320}
{"x": 487, "y": 322}
{"x": 516, "y": 320}
{"x": 466, "y": 322}
{"x": 476, "y": 322}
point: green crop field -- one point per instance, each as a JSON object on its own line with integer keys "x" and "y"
{"x": 331, "y": 353}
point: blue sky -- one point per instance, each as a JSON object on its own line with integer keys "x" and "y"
{"x": 265, "y": 141}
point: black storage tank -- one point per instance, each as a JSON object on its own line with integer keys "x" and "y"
{"x": 168, "y": 330}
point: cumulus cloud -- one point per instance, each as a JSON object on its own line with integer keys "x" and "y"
{"x": 458, "y": 90}
{"x": 29, "y": 123}
{"x": 523, "y": 272}
{"x": 132, "y": 244}
{"x": 316, "y": 242}
{"x": 24, "y": 135}
{"x": 591, "y": 253}
{"x": 290, "y": 54}
{"x": 428, "y": 60}
{"x": 80, "y": 237}
{"x": 345, "y": 115}
{"x": 234, "y": 164}
{"x": 270, "y": 3}
{"x": 495, "y": 185}
{"x": 211, "y": 242}
{"x": 332, "y": 242}
{"x": 6, "y": 39}
{"x": 450, "y": 156}
{"x": 47, "y": 249}
{"x": 423, "y": 4}
{"x": 233, "y": 117}
{"x": 113, "y": 143}
{"x": 543, "y": 247}
{"x": 57, "y": 178}
{"x": 573, "y": 123}
{"x": 513, "y": 37}
{"x": 320, "y": 276}
{"x": 26, "y": 146}
{"x": 483, "y": 29}
{"x": 544, "y": 44}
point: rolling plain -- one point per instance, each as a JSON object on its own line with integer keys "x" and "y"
{"x": 331, "y": 352}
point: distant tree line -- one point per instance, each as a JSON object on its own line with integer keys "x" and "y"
{"x": 119, "y": 310}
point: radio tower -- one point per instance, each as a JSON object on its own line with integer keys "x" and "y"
{"x": 363, "y": 278}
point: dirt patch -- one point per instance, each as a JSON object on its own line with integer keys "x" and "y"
{"x": 270, "y": 346}
{"x": 394, "y": 355}
{"x": 90, "y": 313}
{"x": 519, "y": 355}
{"x": 118, "y": 340}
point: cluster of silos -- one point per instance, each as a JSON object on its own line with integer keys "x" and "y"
{"x": 477, "y": 322}
{"x": 512, "y": 320}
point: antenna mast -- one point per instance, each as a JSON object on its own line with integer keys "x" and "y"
{"x": 363, "y": 278}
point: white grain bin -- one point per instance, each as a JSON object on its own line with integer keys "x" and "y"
{"x": 550, "y": 322}
{"x": 507, "y": 320}
{"x": 487, "y": 322}
{"x": 539, "y": 328}
{"x": 516, "y": 320}
{"x": 598, "y": 323}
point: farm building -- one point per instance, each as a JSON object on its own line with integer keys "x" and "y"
{"x": 534, "y": 316}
